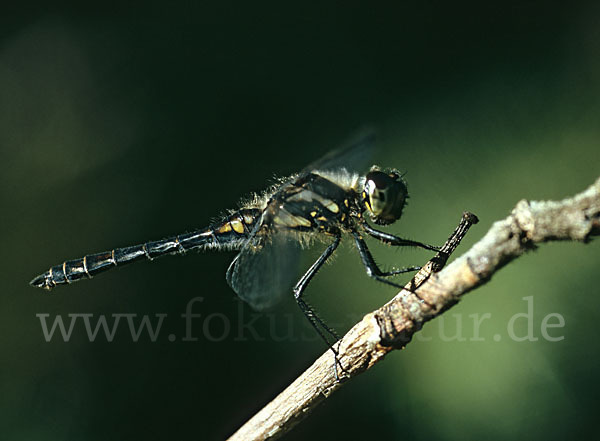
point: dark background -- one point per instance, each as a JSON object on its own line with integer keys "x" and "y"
{"x": 131, "y": 123}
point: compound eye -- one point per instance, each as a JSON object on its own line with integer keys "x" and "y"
{"x": 377, "y": 187}
{"x": 385, "y": 195}
{"x": 377, "y": 180}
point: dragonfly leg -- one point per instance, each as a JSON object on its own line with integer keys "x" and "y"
{"x": 307, "y": 277}
{"x": 372, "y": 268}
{"x": 312, "y": 317}
{"x": 395, "y": 240}
{"x": 317, "y": 323}
{"x": 374, "y": 271}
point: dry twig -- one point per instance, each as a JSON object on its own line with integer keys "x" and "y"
{"x": 392, "y": 326}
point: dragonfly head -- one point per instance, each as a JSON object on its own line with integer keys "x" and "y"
{"x": 384, "y": 195}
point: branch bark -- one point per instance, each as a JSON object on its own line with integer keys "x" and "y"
{"x": 431, "y": 292}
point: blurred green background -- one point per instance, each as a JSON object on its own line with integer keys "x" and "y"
{"x": 124, "y": 124}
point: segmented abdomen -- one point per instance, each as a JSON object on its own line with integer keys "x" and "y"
{"x": 231, "y": 233}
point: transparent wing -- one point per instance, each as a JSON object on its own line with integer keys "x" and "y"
{"x": 265, "y": 269}
{"x": 354, "y": 155}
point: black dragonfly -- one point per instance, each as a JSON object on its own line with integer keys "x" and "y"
{"x": 322, "y": 202}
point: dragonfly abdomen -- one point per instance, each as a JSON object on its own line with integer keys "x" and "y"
{"x": 228, "y": 234}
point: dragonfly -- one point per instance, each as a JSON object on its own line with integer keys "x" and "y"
{"x": 324, "y": 202}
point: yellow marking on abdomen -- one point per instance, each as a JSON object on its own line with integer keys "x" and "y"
{"x": 237, "y": 226}
{"x": 225, "y": 228}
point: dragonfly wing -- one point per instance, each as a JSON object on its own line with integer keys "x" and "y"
{"x": 265, "y": 269}
{"x": 354, "y": 155}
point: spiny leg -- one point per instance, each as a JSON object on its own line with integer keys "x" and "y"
{"x": 374, "y": 271}
{"x": 307, "y": 277}
{"x": 408, "y": 269}
{"x": 395, "y": 240}
{"x": 317, "y": 323}
{"x": 303, "y": 283}
{"x": 372, "y": 268}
